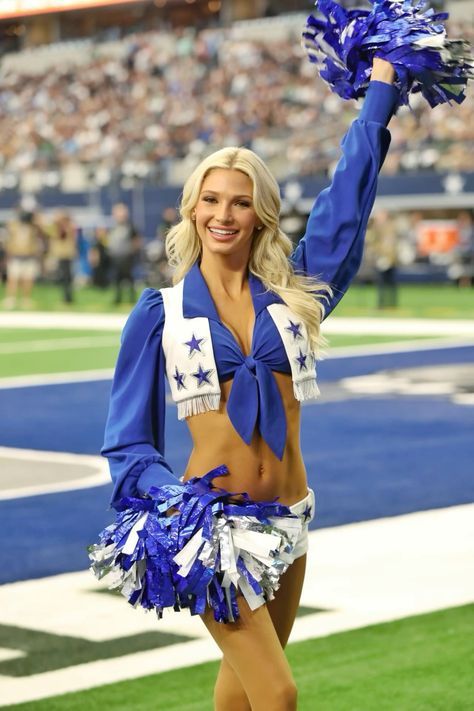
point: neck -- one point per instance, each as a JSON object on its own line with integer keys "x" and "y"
{"x": 228, "y": 275}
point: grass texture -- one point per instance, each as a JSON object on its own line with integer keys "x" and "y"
{"x": 38, "y": 351}
{"x": 420, "y": 663}
{"x": 414, "y": 300}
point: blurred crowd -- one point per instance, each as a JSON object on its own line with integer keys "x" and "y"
{"x": 52, "y": 248}
{"x": 158, "y": 99}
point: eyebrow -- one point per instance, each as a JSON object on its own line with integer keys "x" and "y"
{"x": 213, "y": 192}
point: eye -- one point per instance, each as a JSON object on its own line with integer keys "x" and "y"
{"x": 243, "y": 203}
{"x": 208, "y": 198}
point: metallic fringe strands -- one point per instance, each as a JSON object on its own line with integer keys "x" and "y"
{"x": 217, "y": 545}
{"x": 343, "y": 44}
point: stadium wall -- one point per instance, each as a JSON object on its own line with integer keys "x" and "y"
{"x": 418, "y": 191}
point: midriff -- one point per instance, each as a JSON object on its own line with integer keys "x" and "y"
{"x": 252, "y": 468}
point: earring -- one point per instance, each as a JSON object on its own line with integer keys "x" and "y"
{"x": 260, "y": 228}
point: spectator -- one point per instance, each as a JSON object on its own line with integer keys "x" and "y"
{"x": 152, "y": 101}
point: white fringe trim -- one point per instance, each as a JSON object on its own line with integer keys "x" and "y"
{"x": 197, "y": 405}
{"x": 306, "y": 390}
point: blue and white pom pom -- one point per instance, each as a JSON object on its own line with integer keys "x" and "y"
{"x": 218, "y": 544}
{"x": 344, "y": 44}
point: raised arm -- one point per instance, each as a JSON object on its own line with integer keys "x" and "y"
{"x": 134, "y": 434}
{"x": 332, "y": 246}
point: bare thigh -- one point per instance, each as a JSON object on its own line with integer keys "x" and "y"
{"x": 254, "y": 664}
{"x": 284, "y": 607}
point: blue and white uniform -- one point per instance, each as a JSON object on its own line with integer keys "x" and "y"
{"x": 330, "y": 250}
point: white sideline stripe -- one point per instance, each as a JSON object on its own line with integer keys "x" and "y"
{"x": 98, "y": 477}
{"x": 58, "y": 344}
{"x": 336, "y": 324}
{"x": 71, "y": 322}
{"x": 363, "y": 574}
{"x": 25, "y": 381}
{"x": 400, "y": 326}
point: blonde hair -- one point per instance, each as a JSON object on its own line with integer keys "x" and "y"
{"x": 270, "y": 248}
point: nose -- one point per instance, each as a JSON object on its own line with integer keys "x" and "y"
{"x": 223, "y": 214}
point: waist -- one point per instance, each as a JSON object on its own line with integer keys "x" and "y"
{"x": 253, "y": 468}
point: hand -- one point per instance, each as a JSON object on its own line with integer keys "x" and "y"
{"x": 382, "y": 71}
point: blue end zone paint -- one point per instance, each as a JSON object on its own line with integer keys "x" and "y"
{"x": 369, "y": 458}
{"x": 56, "y": 418}
{"x": 366, "y": 458}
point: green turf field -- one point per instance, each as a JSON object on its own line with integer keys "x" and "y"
{"x": 421, "y": 663}
{"x": 420, "y": 300}
{"x": 42, "y": 351}
{"x": 38, "y": 351}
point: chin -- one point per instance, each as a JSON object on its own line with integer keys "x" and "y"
{"x": 229, "y": 247}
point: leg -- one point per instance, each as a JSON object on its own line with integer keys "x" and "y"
{"x": 10, "y": 291}
{"x": 229, "y": 690}
{"x": 26, "y": 285}
{"x": 229, "y": 694}
{"x": 252, "y": 648}
{"x": 117, "y": 280}
{"x": 284, "y": 607}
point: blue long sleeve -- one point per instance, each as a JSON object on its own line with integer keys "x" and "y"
{"x": 333, "y": 244}
{"x": 134, "y": 433}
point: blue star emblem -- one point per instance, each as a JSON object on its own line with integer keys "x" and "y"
{"x": 301, "y": 360}
{"x": 194, "y": 345}
{"x": 202, "y": 376}
{"x": 179, "y": 377}
{"x": 295, "y": 329}
{"x": 307, "y": 513}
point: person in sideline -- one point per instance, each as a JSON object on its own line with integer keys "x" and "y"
{"x": 123, "y": 247}
{"x": 62, "y": 251}
{"x": 23, "y": 250}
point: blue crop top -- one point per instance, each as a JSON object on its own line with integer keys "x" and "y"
{"x": 331, "y": 249}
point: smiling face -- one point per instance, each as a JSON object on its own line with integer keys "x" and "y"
{"x": 225, "y": 217}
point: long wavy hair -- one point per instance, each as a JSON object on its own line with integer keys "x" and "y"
{"x": 270, "y": 247}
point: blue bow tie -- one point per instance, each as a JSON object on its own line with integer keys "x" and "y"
{"x": 255, "y": 400}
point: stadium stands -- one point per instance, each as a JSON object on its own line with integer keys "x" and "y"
{"x": 150, "y": 106}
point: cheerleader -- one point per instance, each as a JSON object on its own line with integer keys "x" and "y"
{"x": 237, "y": 338}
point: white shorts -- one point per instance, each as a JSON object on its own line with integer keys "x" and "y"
{"x": 22, "y": 268}
{"x": 306, "y": 509}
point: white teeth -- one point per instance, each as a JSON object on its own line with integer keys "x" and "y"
{"x": 222, "y": 232}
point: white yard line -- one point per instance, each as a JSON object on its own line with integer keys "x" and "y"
{"x": 71, "y": 322}
{"x": 27, "y": 381}
{"x": 371, "y": 326}
{"x": 364, "y": 573}
{"x": 58, "y": 344}
{"x": 464, "y": 328}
